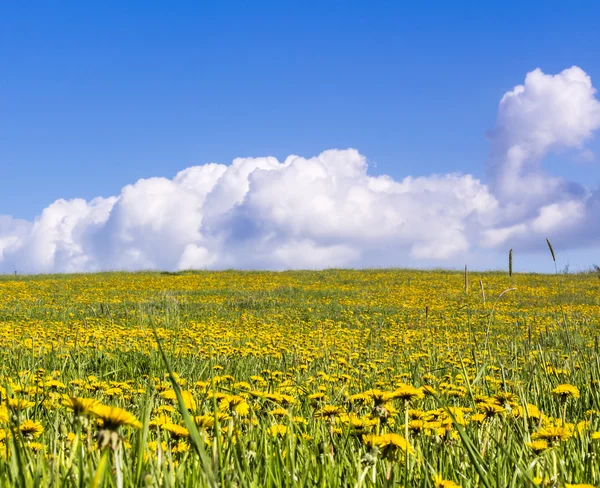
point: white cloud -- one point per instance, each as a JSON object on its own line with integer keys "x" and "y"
{"x": 327, "y": 211}
{"x": 547, "y": 112}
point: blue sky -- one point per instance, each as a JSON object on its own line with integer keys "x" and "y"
{"x": 96, "y": 96}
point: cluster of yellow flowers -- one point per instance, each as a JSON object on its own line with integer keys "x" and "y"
{"x": 395, "y": 367}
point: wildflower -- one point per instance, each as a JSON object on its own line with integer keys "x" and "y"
{"x": 408, "y": 393}
{"x": 416, "y": 426}
{"x": 279, "y": 412}
{"x": 54, "y": 385}
{"x": 390, "y": 445}
{"x": 359, "y": 425}
{"x": 316, "y": 397}
{"x": 553, "y": 433}
{"x": 478, "y": 417}
{"x": 235, "y": 404}
{"x": 176, "y": 431}
{"x": 283, "y": 400}
{"x": 506, "y": 399}
{"x": 564, "y": 392}
{"x": 490, "y": 409}
{"x": 19, "y": 403}
{"x": 115, "y": 391}
{"x": 329, "y": 411}
{"x": 530, "y": 410}
{"x": 380, "y": 397}
{"x": 80, "y": 406}
{"x": 31, "y": 429}
{"x": 188, "y": 399}
{"x": 165, "y": 409}
{"x": 277, "y": 430}
{"x": 358, "y": 398}
{"x": 204, "y": 421}
{"x": 440, "y": 482}
{"x": 537, "y": 446}
{"x": 114, "y": 417}
{"x": 181, "y": 447}
{"x": 159, "y": 420}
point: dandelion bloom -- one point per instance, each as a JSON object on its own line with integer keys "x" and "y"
{"x": 277, "y": 430}
{"x": 537, "y": 446}
{"x": 115, "y": 417}
{"x": 553, "y": 433}
{"x": 505, "y": 399}
{"x": 490, "y": 409}
{"x": 36, "y": 446}
{"x": 565, "y": 392}
{"x": 530, "y": 410}
{"x": 329, "y": 411}
{"x": 440, "y": 482}
{"x": 388, "y": 443}
{"x": 19, "y": 403}
{"x": 279, "y": 412}
{"x": 80, "y": 406}
{"x": 176, "y": 430}
{"x": 380, "y": 397}
{"x": 188, "y": 399}
{"x": 235, "y": 404}
{"x": 159, "y": 420}
{"x": 408, "y": 393}
{"x": 31, "y": 429}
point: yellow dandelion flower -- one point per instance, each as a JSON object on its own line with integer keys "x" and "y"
{"x": 176, "y": 431}
{"x": 530, "y": 410}
{"x": 380, "y": 397}
{"x": 408, "y": 393}
{"x": 180, "y": 447}
{"x": 478, "y": 417}
{"x": 188, "y": 400}
{"x": 538, "y": 446}
{"x": 440, "y": 482}
{"x": 159, "y": 420}
{"x": 80, "y": 406}
{"x": 329, "y": 411}
{"x": 235, "y": 404}
{"x": 490, "y": 409}
{"x": 564, "y": 392}
{"x": 19, "y": 403}
{"x": 36, "y": 446}
{"x": 553, "y": 433}
{"x": 279, "y": 412}
{"x": 31, "y": 429}
{"x": 277, "y": 430}
{"x": 114, "y": 417}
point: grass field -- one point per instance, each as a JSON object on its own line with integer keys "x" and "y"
{"x": 332, "y": 378}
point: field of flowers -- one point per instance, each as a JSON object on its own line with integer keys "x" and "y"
{"x": 330, "y": 378}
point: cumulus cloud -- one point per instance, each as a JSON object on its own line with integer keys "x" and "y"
{"x": 327, "y": 211}
{"x": 547, "y": 113}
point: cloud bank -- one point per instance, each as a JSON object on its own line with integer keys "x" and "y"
{"x": 327, "y": 211}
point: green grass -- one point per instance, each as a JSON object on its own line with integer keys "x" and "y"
{"x": 344, "y": 331}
